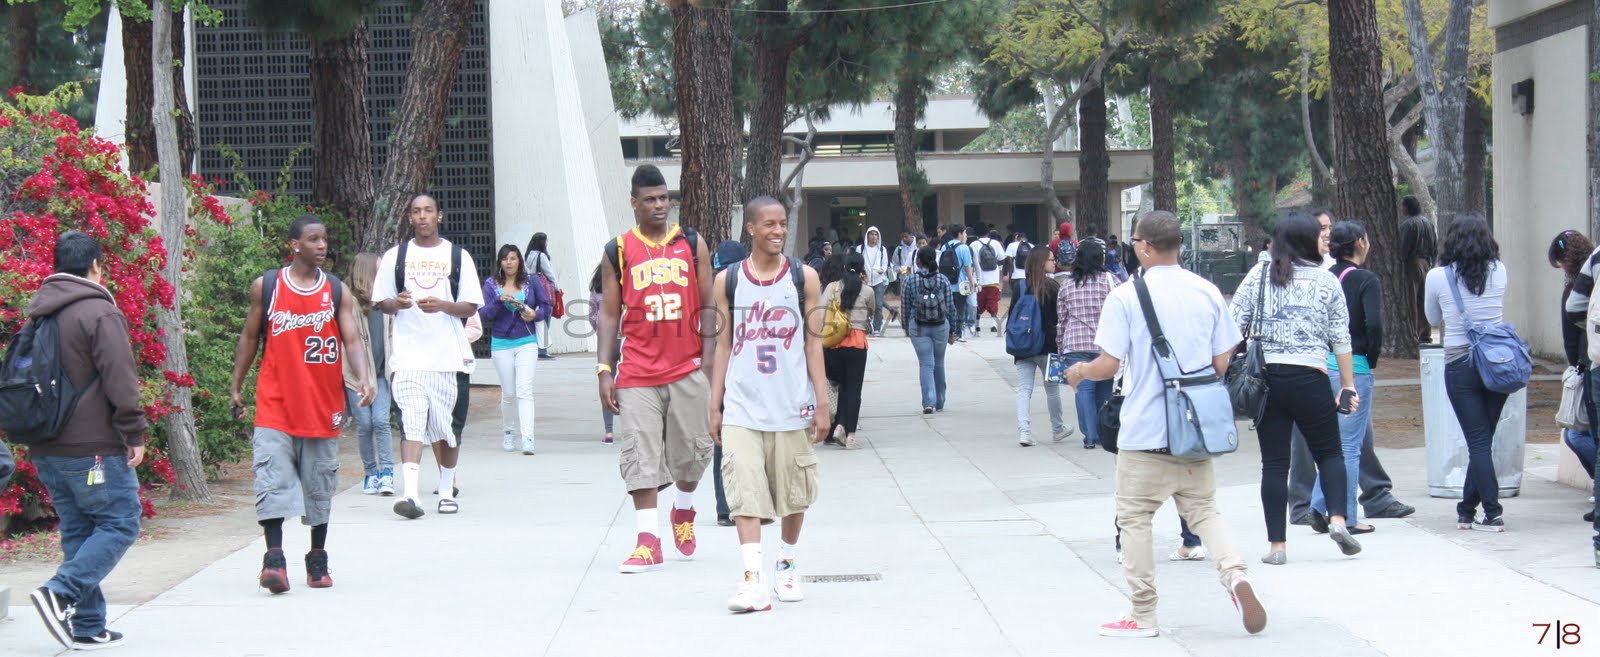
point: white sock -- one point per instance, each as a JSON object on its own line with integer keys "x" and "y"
{"x": 647, "y": 520}
{"x": 785, "y": 551}
{"x": 752, "y": 557}
{"x": 447, "y": 483}
{"x": 408, "y": 476}
{"x": 682, "y": 500}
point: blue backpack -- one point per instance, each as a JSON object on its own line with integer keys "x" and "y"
{"x": 1502, "y": 358}
{"x": 1025, "y": 327}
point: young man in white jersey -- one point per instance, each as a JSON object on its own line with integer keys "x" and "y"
{"x": 430, "y": 345}
{"x": 769, "y": 399}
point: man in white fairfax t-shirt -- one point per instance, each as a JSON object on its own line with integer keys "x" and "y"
{"x": 769, "y": 399}
{"x": 429, "y": 285}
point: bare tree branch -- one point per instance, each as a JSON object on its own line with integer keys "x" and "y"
{"x": 1288, "y": 4}
{"x": 1402, "y": 88}
{"x": 806, "y": 153}
{"x": 1305, "y": 115}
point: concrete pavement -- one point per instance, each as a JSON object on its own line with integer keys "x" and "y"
{"x": 983, "y": 548}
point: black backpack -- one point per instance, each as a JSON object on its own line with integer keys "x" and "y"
{"x": 950, "y": 263}
{"x": 927, "y": 307}
{"x": 988, "y": 260}
{"x": 1066, "y": 254}
{"x": 1024, "y": 249}
{"x": 37, "y": 398}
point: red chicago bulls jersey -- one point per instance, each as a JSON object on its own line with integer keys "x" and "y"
{"x": 301, "y": 388}
{"x": 660, "y": 309}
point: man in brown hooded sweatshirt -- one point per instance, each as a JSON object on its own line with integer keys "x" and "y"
{"x": 89, "y": 467}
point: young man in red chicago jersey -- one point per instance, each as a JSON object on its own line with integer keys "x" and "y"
{"x": 308, "y": 319}
{"x": 655, "y": 279}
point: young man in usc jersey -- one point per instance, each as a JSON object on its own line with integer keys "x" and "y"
{"x": 308, "y": 319}
{"x": 655, "y": 279}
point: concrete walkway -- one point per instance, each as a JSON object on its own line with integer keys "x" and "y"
{"x": 983, "y": 548}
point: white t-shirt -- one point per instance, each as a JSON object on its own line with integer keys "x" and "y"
{"x": 1440, "y": 305}
{"x": 988, "y": 277}
{"x": 1017, "y": 271}
{"x": 1196, "y": 322}
{"x": 428, "y": 342}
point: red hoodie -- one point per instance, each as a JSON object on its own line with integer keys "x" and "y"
{"x": 1063, "y": 233}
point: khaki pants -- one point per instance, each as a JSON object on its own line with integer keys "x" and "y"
{"x": 1144, "y": 481}
{"x": 663, "y": 433}
{"x": 768, "y": 474}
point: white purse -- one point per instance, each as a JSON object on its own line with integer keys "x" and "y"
{"x": 1572, "y": 413}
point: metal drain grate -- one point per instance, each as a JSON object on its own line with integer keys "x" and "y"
{"x": 841, "y": 579}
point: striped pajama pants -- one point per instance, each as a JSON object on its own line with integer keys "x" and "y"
{"x": 427, "y": 402}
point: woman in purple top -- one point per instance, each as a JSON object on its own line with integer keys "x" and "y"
{"x": 512, "y": 318}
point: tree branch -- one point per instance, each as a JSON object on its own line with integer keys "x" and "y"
{"x": 1305, "y": 115}
{"x": 1290, "y": 4}
{"x": 1402, "y": 88}
{"x": 806, "y": 152}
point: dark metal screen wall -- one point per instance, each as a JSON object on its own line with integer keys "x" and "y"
{"x": 255, "y": 96}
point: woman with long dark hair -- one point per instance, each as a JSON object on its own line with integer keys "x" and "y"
{"x": 846, "y": 362}
{"x": 1038, "y": 283}
{"x": 513, "y": 317}
{"x": 925, "y": 305}
{"x": 1083, "y": 295}
{"x": 374, "y": 432}
{"x": 1469, "y": 258}
{"x": 1570, "y": 252}
{"x": 1363, "y": 296}
{"x": 543, "y": 273}
{"x": 1302, "y": 317}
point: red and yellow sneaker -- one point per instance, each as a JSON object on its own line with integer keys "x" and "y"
{"x": 274, "y": 572}
{"x": 646, "y": 556}
{"x": 683, "y": 533}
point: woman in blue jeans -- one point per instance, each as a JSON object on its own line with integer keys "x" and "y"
{"x": 1079, "y": 303}
{"x": 1470, "y": 259}
{"x": 1041, "y": 286}
{"x": 1363, "y": 296}
{"x": 374, "y": 433}
{"x": 925, "y": 297}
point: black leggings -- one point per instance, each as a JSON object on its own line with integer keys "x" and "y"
{"x": 1299, "y": 396}
{"x": 847, "y": 367}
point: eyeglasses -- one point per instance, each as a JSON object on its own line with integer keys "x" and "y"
{"x": 1136, "y": 240}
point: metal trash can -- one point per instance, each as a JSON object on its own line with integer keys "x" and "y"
{"x": 1447, "y": 448}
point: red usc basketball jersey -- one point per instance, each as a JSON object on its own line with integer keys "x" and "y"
{"x": 660, "y": 309}
{"x": 301, "y": 387}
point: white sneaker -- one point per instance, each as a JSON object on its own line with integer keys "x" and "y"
{"x": 752, "y": 595}
{"x": 786, "y": 581}
{"x": 508, "y": 442}
{"x": 527, "y": 446}
{"x": 1197, "y": 553}
{"x": 1063, "y": 434}
{"x": 1026, "y": 440}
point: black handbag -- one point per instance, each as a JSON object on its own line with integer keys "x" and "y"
{"x": 1109, "y": 419}
{"x": 1247, "y": 370}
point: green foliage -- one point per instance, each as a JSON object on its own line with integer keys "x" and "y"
{"x": 1020, "y": 131}
{"x": 316, "y": 19}
{"x": 61, "y": 56}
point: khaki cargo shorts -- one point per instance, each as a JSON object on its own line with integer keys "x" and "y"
{"x": 663, "y": 433}
{"x": 768, "y": 474}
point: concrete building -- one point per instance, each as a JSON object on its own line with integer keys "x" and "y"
{"x": 852, "y": 182}
{"x": 1541, "y": 122}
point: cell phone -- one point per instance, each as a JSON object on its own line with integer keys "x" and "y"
{"x": 1347, "y": 400}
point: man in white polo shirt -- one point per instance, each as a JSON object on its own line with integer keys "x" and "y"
{"x": 1195, "y": 320}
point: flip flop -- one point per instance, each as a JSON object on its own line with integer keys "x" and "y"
{"x": 448, "y": 507}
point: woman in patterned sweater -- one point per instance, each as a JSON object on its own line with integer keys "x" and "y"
{"x": 1302, "y": 317}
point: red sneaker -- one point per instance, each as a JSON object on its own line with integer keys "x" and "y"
{"x": 1127, "y": 628}
{"x": 646, "y": 556}
{"x": 317, "y": 575}
{"x": 274, "y": 572}
{"x": 683, "y": 533}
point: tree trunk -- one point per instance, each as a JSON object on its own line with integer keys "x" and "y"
{"x": 1361, "y": 159}
{"x": 1163, "y": 146}
{"x": 439, "y": 32}
{"x": 341, "y": 163}
{"x": 1475, "y": 159}
{"x": 140, "y": 131}
{"x": 1094, "y": 164}
{"x": 702, "y": 57}
{"x": 1594, "y": 121}
{"x": 182, "y": 445}
{"x": 770, "y": 68}
{"x": 24, "y": 40}
{"x": 1443, "y": 100}
{"x": 1255, "y": 229}
{"x": 908, "y": 103}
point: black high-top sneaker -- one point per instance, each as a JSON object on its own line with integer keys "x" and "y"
{"x": 317, "y": 575}
{"x": 274, "y": 571}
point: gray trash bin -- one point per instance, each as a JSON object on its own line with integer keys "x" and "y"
{"x": 1447, "y": 449}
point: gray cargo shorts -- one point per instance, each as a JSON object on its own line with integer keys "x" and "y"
{"x": 295, "y": 477}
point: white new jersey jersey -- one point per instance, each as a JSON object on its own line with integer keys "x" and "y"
{"x": 768, "y": 387}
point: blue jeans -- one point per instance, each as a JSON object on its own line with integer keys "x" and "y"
{"x": 1090, "y": 396}
{"x": 1029, "y": 369}
{"x": 1353, "y": 430}
{"x": 98, "y": 523}
{"x": 878, "y": 292}
{"x": 1478, "y": 410}
{"x": 374, "y": 432}
{"x": 1190, "y": 540}
{"x": 1582, "y": 444}
{"x": 958, "y": 304}
{"x": 930, "y": 342}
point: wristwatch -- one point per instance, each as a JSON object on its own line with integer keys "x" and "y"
{"x": 601, "y": 368}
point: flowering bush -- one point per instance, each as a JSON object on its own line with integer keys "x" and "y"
{"x": 55, "y": 177}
